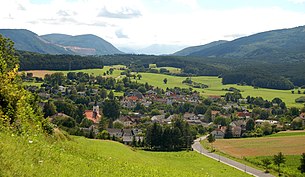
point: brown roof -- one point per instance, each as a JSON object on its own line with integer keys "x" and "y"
{"x": 89, "y": 115}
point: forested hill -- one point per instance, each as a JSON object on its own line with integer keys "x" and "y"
{"x": 59, "y": 44}
{"x": 189, "y": 50}
{"x": 276, "y": 45}
{"x": 87, "y": 44}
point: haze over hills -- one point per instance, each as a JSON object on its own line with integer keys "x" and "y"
{"x": 189, "y": 50}
{"x": 273, "y": 45}
{"x": 59, "y": 43}
{"x": 154, "y": 49}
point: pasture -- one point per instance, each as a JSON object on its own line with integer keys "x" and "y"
{"x": 263, "y": 146}
{"x": 253, "y": 150}
{"x": 35, "y": 156}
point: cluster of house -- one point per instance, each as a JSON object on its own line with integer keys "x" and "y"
{"x": 132, "y": 98}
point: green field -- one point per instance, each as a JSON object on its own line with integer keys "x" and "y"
{"x": 290, "y": 143}
{"x": 95, "y": 72}
{"x": 34, "y": 156}
{"x": 216, "y": 87}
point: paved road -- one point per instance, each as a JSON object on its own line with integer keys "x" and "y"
{"x": 252, "y": 171}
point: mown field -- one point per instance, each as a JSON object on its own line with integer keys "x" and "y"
{"x": 214, "y": 83}
{"x": 95, "y": 72}
{"x": 35, "y": 156}
{"x": 290, "y": 143}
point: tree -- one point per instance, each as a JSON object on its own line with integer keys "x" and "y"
{"x": 250, "y": 125}
{"x": 49, "y": 109}
{"x": 111, "y": 109}
{"x": 111, "y": 95}
{"x": 139, "y": 76}
{"x": 165, "y": 80}
{"x": 302, "y": 166}
{"x": 278, "y": 160}
{"x": 19, "y": 108}
{"x": 211, "y": 139}
{"x": 266, "y": 163}
{"x": 118, "y": 125}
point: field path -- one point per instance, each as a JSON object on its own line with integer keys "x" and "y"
{"x": 242, "y": 167}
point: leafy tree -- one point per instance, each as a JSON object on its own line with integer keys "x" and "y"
{"x": 293, "y": 111}
{"x": 103, "y": 93}
{"x": 86, "y": 123}
{"x": 211, "y": 139}
{"x": 278, "y": 160}
{"x": 139, "y": 76}
{"x": 266, "y": 163}
{"x": 118, "y": 125}
{"x": 19, "y": 110}
{"x": 250, "y": 125}
{"x": 111, "y": 109}
{"x": 111, "y": 95}
{"x": 49, "y": 109}
{"x": 302, "y": 166}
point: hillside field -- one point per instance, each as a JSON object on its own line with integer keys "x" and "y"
{"x": 290, "y": 143}
{"x": 36, "y": 156}
{"x": 214, "y": 83}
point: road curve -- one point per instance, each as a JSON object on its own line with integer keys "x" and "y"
{"x": 242, "y": 167}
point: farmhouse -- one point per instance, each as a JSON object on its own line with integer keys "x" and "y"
{"x": 218, "y": 133}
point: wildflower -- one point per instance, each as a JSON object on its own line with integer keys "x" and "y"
{"x": 30, "y": 141}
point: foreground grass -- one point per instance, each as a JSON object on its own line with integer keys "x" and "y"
{"x": 36, "y": 156}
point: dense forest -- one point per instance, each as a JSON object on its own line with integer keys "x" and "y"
{"x": 263, "y": 73}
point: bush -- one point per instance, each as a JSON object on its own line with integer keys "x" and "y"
{"x": 300, "y": 99}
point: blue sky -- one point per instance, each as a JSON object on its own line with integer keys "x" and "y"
{"x": 139, "y": 23}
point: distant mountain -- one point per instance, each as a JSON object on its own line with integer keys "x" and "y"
{"x": 59, "y": 43}
{"x": 190, "y": 50}
{"x": 272, "y": 45}
{"x": 159, "y": 49}
{"x": 28, "y": 41}
{"x": 83, "y": 44}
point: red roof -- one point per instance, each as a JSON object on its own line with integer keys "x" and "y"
{"x": 89, "y": 115}
{"x": 133, "y": 98}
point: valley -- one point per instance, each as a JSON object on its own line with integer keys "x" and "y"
{"x": 215, "y": 87}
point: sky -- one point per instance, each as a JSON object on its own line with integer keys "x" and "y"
{"x": 140, "y": 23}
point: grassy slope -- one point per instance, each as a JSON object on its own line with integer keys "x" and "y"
{"x": 84, "y": 157}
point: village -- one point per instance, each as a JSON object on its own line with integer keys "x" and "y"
{"x": 86, "y": 105}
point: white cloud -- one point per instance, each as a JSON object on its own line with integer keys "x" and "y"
{"x": 297, "y": 1}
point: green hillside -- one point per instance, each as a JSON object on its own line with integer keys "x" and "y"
{"x": 276, "y": 45}
{"x": 28, "y": 41}
{"x": 34, "y": 156}
{"x": 59, "y": 43}
{"x": 190, "y": 50}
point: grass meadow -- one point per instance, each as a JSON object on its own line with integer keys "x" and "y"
{"x": 38, "y": 156}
